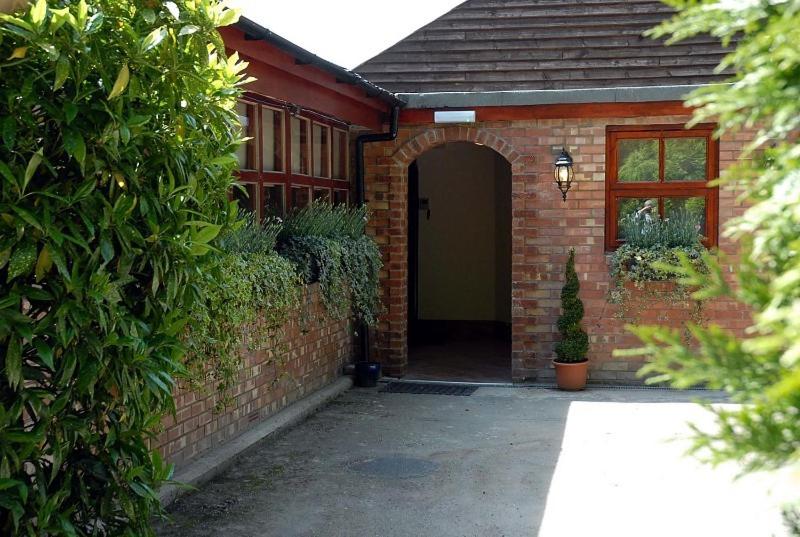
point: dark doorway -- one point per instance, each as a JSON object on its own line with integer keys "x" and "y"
{"x": 459, "y": 265}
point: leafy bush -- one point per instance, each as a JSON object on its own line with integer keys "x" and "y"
{"x": 633, "y": 263}
{"x": 681, "y": 229}
{"x": 347, "y": 271}
{"x": 574, "y": 344}
{"x": 761, "y": 371}
{"x": 247, "y": 236}
{"x": 321, "y": 219}
{"x": 328, "y": 245}
{"x": 116, "y": 127}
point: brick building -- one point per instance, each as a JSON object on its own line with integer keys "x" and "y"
{"x": 535, "y": 78}
{"x": 473, "y": 231}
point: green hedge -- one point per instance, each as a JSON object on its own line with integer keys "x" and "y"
{"x": 117, "y": 129}
{"x": 257, "y": 282}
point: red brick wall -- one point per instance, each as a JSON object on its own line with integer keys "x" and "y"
{"x": 543, "y": 230}
{"x": 312, "y": 353}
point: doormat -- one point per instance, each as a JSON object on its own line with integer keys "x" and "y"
{"x": 428, "y": 388}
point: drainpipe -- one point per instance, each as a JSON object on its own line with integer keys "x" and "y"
{"x": 360, "y": 141}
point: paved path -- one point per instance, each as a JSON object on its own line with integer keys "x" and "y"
{"x": 511, "y": 462}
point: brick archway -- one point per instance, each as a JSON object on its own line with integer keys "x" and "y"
{"x": 387, "y": 193}
{"x": 422, "y": 142}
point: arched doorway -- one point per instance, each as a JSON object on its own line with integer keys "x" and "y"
{"x": 459, "y": 252}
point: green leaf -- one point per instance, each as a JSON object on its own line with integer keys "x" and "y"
{"x": 106, "y": 249}
{"x": 70, "y": 112}
{"x": 43, "y": 264}
{"x": 206, "y": 234}
{"x": 62, "y": 71}
{"x": 5, "y": 171}
{"x": 13, "y": 362}
{"x": 173, "y": 10}
{"x": 121, "y": 83}
{"x": 45, "y": 353}
{"x": 188, "y": 30}
{"x": 95, "y": 23}
{"x": 22, "y": 261}
{"x": 38, "y": 12}
{"x": 229, "y": 16}
{"x": 75, "y": 146}
{"x": 9, "y": 131}
{"x": 27, "y": 216}
{"x": 33, "y": 164}
{"x": 154, "y": 38}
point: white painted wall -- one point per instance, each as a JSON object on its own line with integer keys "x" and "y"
{"x": 465, "y": 246}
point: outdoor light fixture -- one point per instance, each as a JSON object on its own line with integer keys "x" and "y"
{"x": 454, "y": 116}
{"x": 564, "y": 174}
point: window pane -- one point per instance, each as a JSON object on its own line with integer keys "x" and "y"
{"x": 634, "y": 210}
{"x": 246, "y": 153}
{"x": 340, "y": 197}
{"x": 272, "y": 204}
{"x": 320, "y": 150}
{"x": 339, "y": 154}
{"x": 272, "y": 138}
{"x": 685, "y": 159}
{"x": 299, "y": 146}
{"x": 322, "y": 194}
{"x": 301, "y": 196}
{"x": 692, "y": 209}
{"x": 637, "y": 161}
{"x": 247, "y": 199}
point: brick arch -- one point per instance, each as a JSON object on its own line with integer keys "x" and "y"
{"x": 422, "y": 142}
{"x": 387, "y": 167}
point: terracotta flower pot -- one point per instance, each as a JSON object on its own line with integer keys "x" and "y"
{"x": 571, "y": 377}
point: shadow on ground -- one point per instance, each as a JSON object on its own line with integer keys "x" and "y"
{"x": 502, "y": 462}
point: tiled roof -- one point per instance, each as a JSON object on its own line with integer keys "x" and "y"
{"x": 495, "y": 45}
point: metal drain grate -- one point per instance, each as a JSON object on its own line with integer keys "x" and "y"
{"x": 429, "y": 388}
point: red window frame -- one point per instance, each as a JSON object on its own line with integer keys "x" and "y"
{"x": 616, "y": 190}
{"x": 286, "y": 177}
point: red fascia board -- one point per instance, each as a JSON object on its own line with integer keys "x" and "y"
{"x": 280, "y": 77}
{"x": 557, "y": 111}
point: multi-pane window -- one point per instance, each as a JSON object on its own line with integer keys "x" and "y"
{"x": 289, "y": 159}
{"x": 339, "y": 154}
{"x": 660, "y": 172}
{"x": 300, "y": 155}
{"x": 320, "y": 150}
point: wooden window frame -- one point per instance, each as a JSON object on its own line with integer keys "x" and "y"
{"x": 344, "y": 154}
{"x": 286, "y": 177}
{"x": 327, "y": 157}
{"x": 661, "y": 189}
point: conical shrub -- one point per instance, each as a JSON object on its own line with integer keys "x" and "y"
{"x": 574, "y": 344}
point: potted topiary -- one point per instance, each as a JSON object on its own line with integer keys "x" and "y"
{"x": 571, "y": 363}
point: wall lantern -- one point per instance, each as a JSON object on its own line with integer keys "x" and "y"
{"x": 564, "y": 174}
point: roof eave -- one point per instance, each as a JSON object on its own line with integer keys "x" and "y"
{"x": 634, "y": 94}
{"x": 256, "y": 31}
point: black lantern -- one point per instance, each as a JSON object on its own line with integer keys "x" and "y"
{"x": 564, "y": 173}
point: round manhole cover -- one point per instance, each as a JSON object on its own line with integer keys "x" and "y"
{"x": 395, "y": 467}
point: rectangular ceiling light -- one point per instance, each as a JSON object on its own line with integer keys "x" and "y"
{"x": 454, "y": 116}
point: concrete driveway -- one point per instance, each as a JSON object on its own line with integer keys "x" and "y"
{"x": 502, "y": 462}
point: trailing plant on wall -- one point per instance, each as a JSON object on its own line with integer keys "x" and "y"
{"x": 253, "y": 290}
{"x": 116, "y": 129}
{"x": 329, "y": 246}
{"x": 574, "y": 344}
{"x": 249, "y": 298}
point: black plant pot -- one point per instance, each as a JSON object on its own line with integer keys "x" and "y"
{"x": 367, "y": 374}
